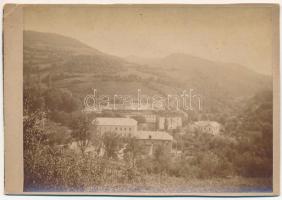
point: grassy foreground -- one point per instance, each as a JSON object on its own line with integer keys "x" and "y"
{"x": 166, "y": 184}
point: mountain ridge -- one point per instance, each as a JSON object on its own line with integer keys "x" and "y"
{"x": 84, "y": 65}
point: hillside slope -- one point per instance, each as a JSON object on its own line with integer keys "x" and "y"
{"x": 206, "y": 75}
{"x": 80, "y": 68}
{"x": 49, "y": 51}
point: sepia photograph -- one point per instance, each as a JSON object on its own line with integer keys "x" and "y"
{"x": 148, "y": 99}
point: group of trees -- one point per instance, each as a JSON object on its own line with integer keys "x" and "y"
{"x": 52, "y": 165}
{"x": 254, "y": 132}
{"x": 244, "y": 149}
{"x": 49, "y": 99}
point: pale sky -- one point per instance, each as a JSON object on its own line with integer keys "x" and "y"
{"x": 241, "y": 35}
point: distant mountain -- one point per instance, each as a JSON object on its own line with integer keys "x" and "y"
{"x": 143, "y": 60}
{"x": 206, "y": 75}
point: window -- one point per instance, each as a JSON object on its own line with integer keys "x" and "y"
{"x": 120, "y": 129}
{"x": 129, "y": 129}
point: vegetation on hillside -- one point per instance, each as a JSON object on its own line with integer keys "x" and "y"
{"x": 56, "y": 167}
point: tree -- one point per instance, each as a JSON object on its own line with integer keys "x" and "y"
{"x": 32, "y": 100}
{"x": 111, "y": 142}
{"x": 34, "y": 146}
{"x": 60, "y": 100}
{"x": 133, "y": 150}
{"x": 161, "y": 159}
{"x": 69, "y": 103}
{"x": 81, "y": 132}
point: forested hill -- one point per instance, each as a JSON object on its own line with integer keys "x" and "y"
{"x": 53, "y": 52}
{"x": 80, "y": 68}
{"x": 200, "y": 73}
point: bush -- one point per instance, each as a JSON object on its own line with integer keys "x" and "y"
{"x": 249, "y": 165}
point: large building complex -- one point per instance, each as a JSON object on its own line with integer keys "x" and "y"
{"x": 128, "y": 127}
{"x": 123, "y": 126}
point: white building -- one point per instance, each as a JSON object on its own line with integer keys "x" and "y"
{"x": 169, "y": 123}
{"x": 151, "y": 140}
{"x": 123, "y": 126}
{"x": 210, "y": 127}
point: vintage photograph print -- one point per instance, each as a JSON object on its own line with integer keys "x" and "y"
{"x": 148, "y": 99}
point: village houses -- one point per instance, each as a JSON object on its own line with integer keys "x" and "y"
{"x": 122, "y": 126}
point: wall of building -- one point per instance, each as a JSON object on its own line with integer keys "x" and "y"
{"x": 123, "y": 130}
{"x": 169, "y": 123}
{"x": 146, "y": 126}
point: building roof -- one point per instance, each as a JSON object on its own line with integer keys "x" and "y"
{"x": 128, "y": 107}
{"x": 153, "y": 135}
{"x": 105, "y": 121}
